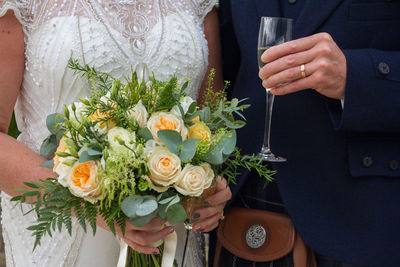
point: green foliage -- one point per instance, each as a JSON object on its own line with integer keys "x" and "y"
{"x": 54, "y": 205}
{"x": 236, "y": 160}
{"x": 13, "y": 129}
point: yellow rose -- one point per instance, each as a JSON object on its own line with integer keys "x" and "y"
{"x": 82, "y": 181}
{"x": 199, "y": 130}
{"x": 191, "y": 181}
{"x": 209, "y": 174}
{"x": 166, "y": 121}
{"x": 164, "y": 168}
{"x": 139, "y": 113}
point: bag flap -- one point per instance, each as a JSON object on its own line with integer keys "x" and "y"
{"x": 279, "y": 234}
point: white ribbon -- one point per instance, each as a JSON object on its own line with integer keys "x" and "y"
{"x": 170, "y": 244}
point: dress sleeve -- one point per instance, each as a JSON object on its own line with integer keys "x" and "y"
{"x": 205, "y": 6}
{"x": 22, "y": 9}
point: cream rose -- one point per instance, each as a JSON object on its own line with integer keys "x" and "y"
{"x": 185, "y": 104}
{"x": 139, "y": 113}
{"x": 209, "y": 174}
{"x": 116, "y": 134}
{"x": 166, "y": 121}
{"x": 191, "y": 181}
{"x": 199, "y": 130}
{"x": 164, "y": 167}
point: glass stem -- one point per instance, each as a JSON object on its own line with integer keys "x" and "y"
{"x": 269, "y": 98}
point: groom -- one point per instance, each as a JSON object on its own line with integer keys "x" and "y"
{"x": 341, "y": 182}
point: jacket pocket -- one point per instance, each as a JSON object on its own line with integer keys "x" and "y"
{"x": 374, "y": 157}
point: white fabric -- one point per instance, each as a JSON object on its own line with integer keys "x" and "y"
{"x": 161, "y": 36}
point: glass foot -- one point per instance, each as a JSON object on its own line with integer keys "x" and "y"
{"x": 266, "y": 155}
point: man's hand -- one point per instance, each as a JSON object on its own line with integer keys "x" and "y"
{"x": 324, "y": 62}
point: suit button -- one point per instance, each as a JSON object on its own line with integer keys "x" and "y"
{"x": 393, "y": 165}
{"x": 367, "y": 162}
{"x": 292, "y": 1}
{"x": 383, "y": 68}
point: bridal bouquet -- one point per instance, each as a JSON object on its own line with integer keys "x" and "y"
{"x": 134, "y": 150}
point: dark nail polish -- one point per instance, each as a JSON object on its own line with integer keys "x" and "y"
{"x": 206, "y": 203}
{"x": 196, "y": 215}
{"x": 155, "y": 253}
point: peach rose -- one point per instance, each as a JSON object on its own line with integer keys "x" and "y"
{"x": 82, "y": 181}
{"x": 166, "y": 121}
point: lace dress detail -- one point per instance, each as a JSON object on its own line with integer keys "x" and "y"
{"x": 164, "y": 37}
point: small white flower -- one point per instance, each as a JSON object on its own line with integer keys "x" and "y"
{"x": 118, "y": 134}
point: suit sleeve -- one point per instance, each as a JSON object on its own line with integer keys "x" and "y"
{"x": 372, "y": 97}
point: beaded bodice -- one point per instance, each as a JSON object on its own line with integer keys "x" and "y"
{"x": 164, "y": 37}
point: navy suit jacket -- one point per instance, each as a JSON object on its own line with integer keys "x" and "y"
{"x": 341, "y": 183}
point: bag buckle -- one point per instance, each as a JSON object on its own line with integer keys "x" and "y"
{"x": 256, "y": 236}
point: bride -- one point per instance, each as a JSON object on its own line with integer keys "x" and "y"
{"x": 37, "y": 37}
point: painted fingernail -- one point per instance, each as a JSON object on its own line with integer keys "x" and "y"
{"x": 155, "y": 253}
{"x": 171, "y": 230}
{"x": 207, "y": 203}
{"x": 196, "y": 215}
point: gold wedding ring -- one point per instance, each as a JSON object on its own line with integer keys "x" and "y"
{"x": 303, "y": 71}
{"x": 222, "y": 216}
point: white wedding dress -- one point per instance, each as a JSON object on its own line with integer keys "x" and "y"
{"x": 164, "y": 37}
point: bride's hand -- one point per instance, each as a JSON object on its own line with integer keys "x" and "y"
{"x": 141, "y": 238}
{"x": 209, "y": 217}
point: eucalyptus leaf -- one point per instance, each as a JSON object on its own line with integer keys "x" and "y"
{"x": 181, "y": 110}
{"x": 86, "y": 157}
{"x": 228, "y": 142}
{"x": 142, "y": 220}
{"x": 176, "y": 214}
{"x": 162, "y": 212}
{"x": 176, "y": 199}
{"x": 49, "y": 147}
{"x": 188, "y": 150}
{"x": 172, "y": 139}
{"x": 166, "y": 200}
{"x": 145, "y": 134}
{"x": 130, "y": 205}
{"x": 51, "y": 122}
{"x": 214, "y": 156}
{"x": 48, "y": 164}
{"x": 146, "y": 207}
{"x": 194, "y": 115}
{"x": 93, "y": 152}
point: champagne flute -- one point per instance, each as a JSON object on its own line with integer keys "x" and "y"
{"x": 273, "y": 31}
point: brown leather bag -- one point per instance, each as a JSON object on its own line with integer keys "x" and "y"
{"x": 261, "y": 236}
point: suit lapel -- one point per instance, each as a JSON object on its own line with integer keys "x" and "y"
{"x": 313, "y": 14}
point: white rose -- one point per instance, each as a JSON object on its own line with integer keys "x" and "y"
{"x": 166, "y": 121}
{"x": 185, "y": 103}
{"x": 164, "y": 167}
{"x": 209, "y": 174}
{"x": 191, "y": 181}
{"x": 139, "y": 113}
{"x": 116, "y": 134}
